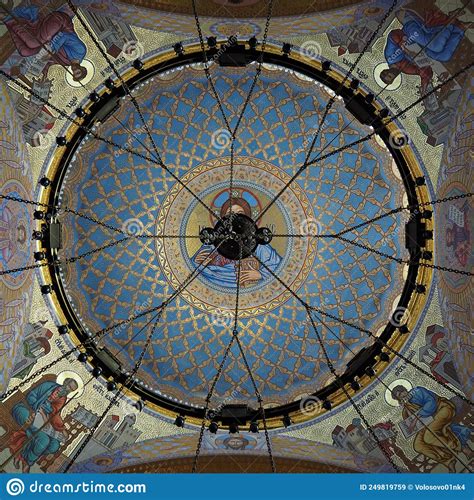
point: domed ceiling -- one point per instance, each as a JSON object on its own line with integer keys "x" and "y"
{"x": 120, "y": 231}
{"x": 128, "y": 192}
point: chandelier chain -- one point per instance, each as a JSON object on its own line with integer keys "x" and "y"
{"x": 385, "y": 122}
{"x": 95, "y": 135}
{"x": 346, "y": 77}
{"x": 99, "y": 334}
{"x": 378, "y": 340}
{"x": 118, "y": 75}
{"x": 405, "y": 261}
{"x": 333, "y": 370}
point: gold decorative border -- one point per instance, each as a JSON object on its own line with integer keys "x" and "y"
{"x": 425, "y": 275}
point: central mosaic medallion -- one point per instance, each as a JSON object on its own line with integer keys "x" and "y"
{"x": 235, "y": 226}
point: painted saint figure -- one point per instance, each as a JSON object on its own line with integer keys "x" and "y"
{"x": 436, "y": 33}
{"x": 459, "y": 240}
{"x": 49, "y": 34}
{"x": 223, "y": 271}
{"x": 39, "y": 415}
{"x": 441, "y": 438}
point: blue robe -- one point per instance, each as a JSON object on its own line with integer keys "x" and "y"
{"x": 226, "y": 275}
{"x": 441, "y": 41}
{"x": 37, "y": 443}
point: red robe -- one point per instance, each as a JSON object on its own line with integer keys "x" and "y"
{"x": 30, "y": 36}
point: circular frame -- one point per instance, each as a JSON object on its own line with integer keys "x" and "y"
{"x": 356, "y": 104}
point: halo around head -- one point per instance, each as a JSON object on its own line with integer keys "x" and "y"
{"x": 393, "y": 86}
{"x": 89, "y": 75}
{"x": 70, "y": 374}
{"x": 388, "y": 393}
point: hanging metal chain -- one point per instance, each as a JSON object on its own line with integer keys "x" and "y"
{"x": 96, "y": 136}
{"x": 452, "y": 452}
{"x": 436, "y": 436}
{"x": 68, "y": 70}
{"x": 231, "y": 182}
{"x": 94, "y": 428}
{"x": 422, "y": 49}
{"x": 374, "y": 35}
{"x": 232, "y": 132}
{"x": 408, "y": 361}
{"x": 98, "y": 335}
{"x": 404, "y": 261}
{"x": 67, "y": 402}
{"x": 378, "y": 340}
{"x": 207, "y": 404}
{"x": 246, "y": 103}
{"x": 118, "y": 75}
{"x": 85, "y": 344}
{"x": 235, "y": 334}
{"x": 96, "y": 221}
{"x": 347, "y": 347}
{"x": 411, "y": 208}
{"x": 26, "y": 268}
{"x": 199, "y": 444}
{"x": 69, "y": 260}
{"x": 219, "y": 372}
{"x": 35, "y": 432}
{"x": 26, "y": 202}
{"x": 217, "y": 376}
{"x": 249, "y": 371}
{"x": 95, "y": 250}
{"x": 341, "y": 86}
{"x": 346, "y": 77}
{"x": 387, "y": 121}
{"x": 369, "y": 428}
{"x": 362, "y": 139}
{"x": 341, "y": 385}
{"x": 190, "y": 278}
{"x": 36, "y": 374}
{"x": 57, "y": 209}
{"x": 354, "y": 404}
{"x": 237, "y": 290}
{"x": 260, "y": 404}
{"x": 206, "y": 69}
{"x": 130, "y": 379}
{"x": 83, "y": 255}
{"x": 127, "y": 384}
{"x": 259, "y": 67}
